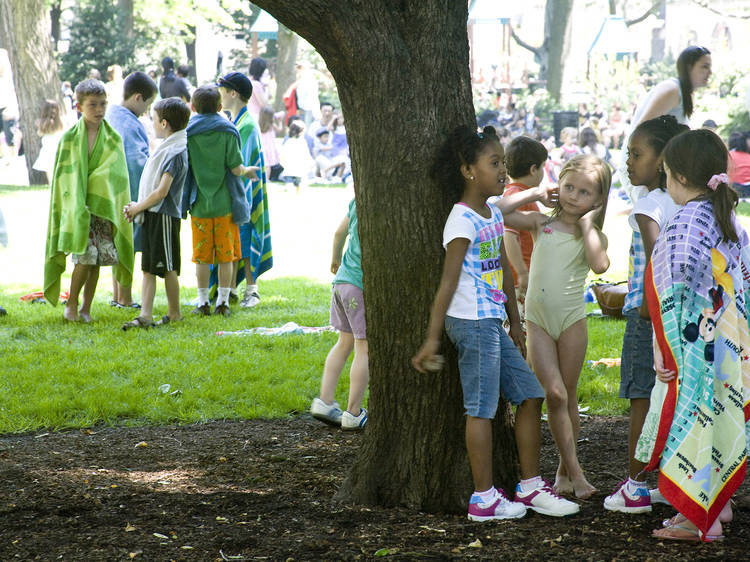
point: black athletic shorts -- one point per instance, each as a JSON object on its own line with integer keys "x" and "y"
{"x": 161, "y": 244}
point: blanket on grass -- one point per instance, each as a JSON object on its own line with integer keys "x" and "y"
{"x": 82, "y": 186}
{"x": 696, "y": 430}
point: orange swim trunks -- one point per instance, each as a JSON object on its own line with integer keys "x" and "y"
{"x": 215, "y": 240}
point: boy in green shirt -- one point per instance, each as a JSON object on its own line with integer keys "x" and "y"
{"x": 214, "y": 195}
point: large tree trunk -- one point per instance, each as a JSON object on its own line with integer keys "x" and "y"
{"x": 551, "y": 54}
{"x": 55, "y": 12}
{"x": 557, "y": 39}
{"x": 286, "y": 61}
{"x": 191, "y": 54}
{"x": 128, "y": 18}
{"x": 402, "y": 72}
{"x": 26, "y": 33}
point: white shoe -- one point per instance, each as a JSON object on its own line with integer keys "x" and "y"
{"x": 500, "y": 508}
{"x": 249, "y": 300}
{"x": 544, "y": 500}
{"x": 351, "y": 422}
{"x": 327, "y": 413}
{"x": 656, "y": 496}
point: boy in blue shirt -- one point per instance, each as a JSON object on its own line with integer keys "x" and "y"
{"x": 139, "y": 90}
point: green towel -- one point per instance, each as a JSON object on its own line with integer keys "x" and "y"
{"x": 82, "y": 186}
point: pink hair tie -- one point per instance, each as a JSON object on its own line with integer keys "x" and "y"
{"x": 716, "y": 179}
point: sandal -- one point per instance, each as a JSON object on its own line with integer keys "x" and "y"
{"x": 679, "y": 532}
{"x": 116, "y": 304}
{"x": 725, "y": 516}
{"x": 167, "y": 320}
{"x": 137, "y": 323}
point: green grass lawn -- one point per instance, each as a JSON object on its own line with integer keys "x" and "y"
{"x": 60, "y": 375}
{"x": 57, "y": 375}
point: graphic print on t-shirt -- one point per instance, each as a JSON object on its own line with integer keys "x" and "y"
{"x": 491, "y": 271}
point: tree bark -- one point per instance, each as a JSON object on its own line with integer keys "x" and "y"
{"x": 126, "y": 7}
{"x": 54, "y": 13}
{"x": 402, "y": 72}
{"x": 26, "y": 32}
{"x": 551, "y": 54}
{"x": 190, "y": 52}
{"x": 557, "y": 39}
{"x": 286, "y": 60}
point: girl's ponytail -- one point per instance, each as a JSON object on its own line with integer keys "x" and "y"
{"x": 724, "y": 200}
{"x": 701, "y": 157}
{"x": 460, "y": 148}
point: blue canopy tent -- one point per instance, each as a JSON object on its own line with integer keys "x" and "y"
{"x": 265, "y": 27}
{"x": 613, "y": 39}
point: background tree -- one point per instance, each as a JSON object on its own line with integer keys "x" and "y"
{"x": 551, "y": 54}
{"x": 97, "y": 41}
{"x": 286, "y": 63}
{"x": 402, "y": 71}
{"x": 25, "y": 32}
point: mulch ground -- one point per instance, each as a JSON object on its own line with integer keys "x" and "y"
{"x": 261, "y": 490}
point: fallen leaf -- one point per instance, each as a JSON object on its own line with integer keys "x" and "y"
{"x": 160, "y": 536}
{"x": 221, "y": 519}
{"x": 222, "y": 459}
{"x": 426, "y": 528}
{"x": 129, "y": 528}
{"x": 141, "y": 444}
{"x": 186, "y": 547}
{"x": 476, "y": 544}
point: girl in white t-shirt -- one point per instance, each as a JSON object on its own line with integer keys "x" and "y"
{"x": 472, "y": 302}
{"x": 651, "y": 213}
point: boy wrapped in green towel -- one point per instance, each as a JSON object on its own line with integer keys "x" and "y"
{"x": 89, "y": 190}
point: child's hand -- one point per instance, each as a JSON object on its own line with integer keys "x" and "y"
{"x": 549, "y": 195}
{"x": 249, "y": 172}
{"x": 523, "y": 283}
{"x": 662, "y": 373}
{"x": 129, "y": 211}
{"x": 427, "y": 358}
{"x": 516, "y": 334}
{"x": 335, "y": 264}
{"x": 587, "y": 220}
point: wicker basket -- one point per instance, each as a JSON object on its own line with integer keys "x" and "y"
{"x": 611, "y": 297}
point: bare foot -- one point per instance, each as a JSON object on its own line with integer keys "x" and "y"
{"x": 70, "y": 315}
{"x": 726, "y": 515}
{"x": 563, "y": 485}
{"x": 583, "y": 489}
{"x": 85, "y": 317}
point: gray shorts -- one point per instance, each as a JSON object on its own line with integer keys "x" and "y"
{"x": 100, "y": 249}
{"x": 637, "y": 373}
{"x": 348, "y": 310}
